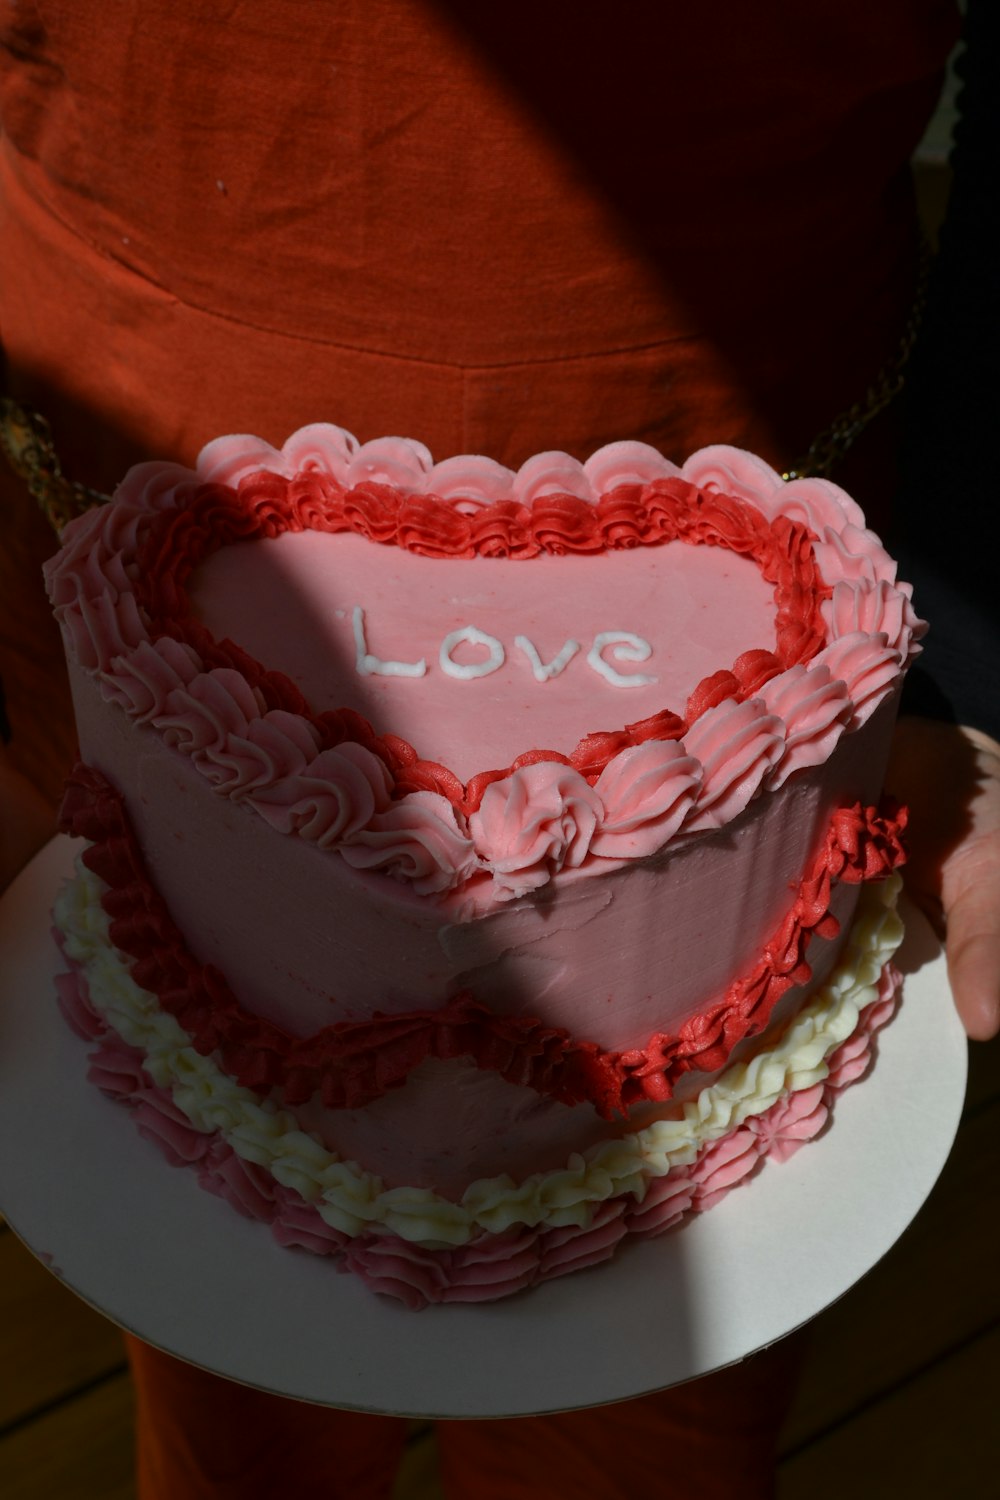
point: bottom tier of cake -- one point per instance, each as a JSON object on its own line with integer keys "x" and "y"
{"x": 502, "y": 1236}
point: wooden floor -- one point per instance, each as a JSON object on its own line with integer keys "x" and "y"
{"x": 899, "y": 1395}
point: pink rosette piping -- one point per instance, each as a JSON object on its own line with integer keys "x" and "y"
{"x": 227, "y": 460}
{"x": 299, "y": 1225}
{"x": 722, "y": 1166}
{"x": 159, "y": 1121}
{"x": 245, "y": 1186}
{"x": 331, "y": 799}
{"x": 273, "y": 750}
{"x": 551, "y": 474}
{"x": 855, "y": 1055}
{"x": 116, "y": 1068}
{"x": 141, "y": 682}
{"x": 626, "y": 463}
{"x": 868, "y": 667}
{"x": 533, "y": 824}
{"x": 320, "y": 448}
{"x": 814, "y": 707}
{"x": 853, "y": 554}
{"x": 73, "y": 999}
{"x": 875, "y": 609}
{"x": 667, "y": 1201}
{"x": 199, "y": 719}
{"x": 738, "y": 744}
{"x": 646, "y": 792}
{"x": 574, "y": 1249}
{"x": 790, "y": 1123}
{"x": 92, "y": 552}
{"x": 735, "y": 472}
{"x": 390, "y": 460}
{"x": 817, "y": 504}
{"x": 474, "y": 480}
{"x": 103, "y": 627}
{"x": 417, "y": 840}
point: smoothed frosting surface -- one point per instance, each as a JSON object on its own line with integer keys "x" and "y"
{"x": 291, "y": 601}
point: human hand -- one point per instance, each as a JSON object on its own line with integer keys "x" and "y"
{"x": 27, "y": 820}
{"x": 949, "y": 776}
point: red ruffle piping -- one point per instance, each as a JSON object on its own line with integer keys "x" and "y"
{"x": 351, "y": 1063}
{"x": 265, "y": 505}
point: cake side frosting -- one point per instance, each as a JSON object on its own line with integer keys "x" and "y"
{"x": 351, "y": 1064}
{"x": 440, "y": 949}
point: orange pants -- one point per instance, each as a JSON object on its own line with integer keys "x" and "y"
{"x": 204, "y": 1438}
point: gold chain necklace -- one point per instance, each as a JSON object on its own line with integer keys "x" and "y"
{"x": 835, "y": 441}
{"x": 26, "y": 440}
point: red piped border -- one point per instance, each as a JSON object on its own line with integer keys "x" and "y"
{"x": 266, "y": 505}
{"x": 352, "y": 1063}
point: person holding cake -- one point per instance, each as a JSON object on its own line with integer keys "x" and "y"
{"x": 502, "y": 236}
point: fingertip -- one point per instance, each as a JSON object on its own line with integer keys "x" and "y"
{"x": 974, "y": 973}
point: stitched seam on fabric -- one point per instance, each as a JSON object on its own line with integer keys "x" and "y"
{"x": 104, "y": 253}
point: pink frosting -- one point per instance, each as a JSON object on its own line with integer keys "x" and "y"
{"x": 274, "y": 755}
{"x": 407, "y": 465}
{"x": 732, "y": 471}
{"x": 722, "y": 1165}
{"x": 668, "y": 1200}
{"x": 161, "y": 1122}
{"x": 199, "y": 718}
{"x": 299, "y": 1225}
{"x": 867, "y": 666}
{"x": 737, "y": 744}
{"x": 880, "y": 608}
{"x": 814, "y": 706}
{"x": 419, "y": 840}
{"x": 75, "y": 1007}
{"x": 338, "y": 797}
{"x": 791, "y": 1122}
{"x": 244, "y": 1186}
{"x": 142, "y": 682}
{"x": 572, "y": 1249}
{"x": 335, "y": 797}
{"x": 646, "y": 792}
{"x": 533, "y": 824}
{"x": 116, "y": 1068}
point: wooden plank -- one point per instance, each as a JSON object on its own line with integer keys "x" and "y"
{"x": 81, "y": 1450}
{"x": 936, "y": 1435}
{"x": 52, "y": 1342}
{"x": 935, "y": 1289}
{"x": 418, "y": 1477}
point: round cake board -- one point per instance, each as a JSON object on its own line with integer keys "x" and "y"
{"x": 141, "y": 1242}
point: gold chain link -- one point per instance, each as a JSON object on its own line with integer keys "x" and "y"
{"x": 834, "y": 442}
{"x": 26, "y": 440}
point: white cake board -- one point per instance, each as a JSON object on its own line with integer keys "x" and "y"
{"x": 141, "y": 1242}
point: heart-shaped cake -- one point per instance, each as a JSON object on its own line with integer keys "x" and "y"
{"x": 473, "y": 855}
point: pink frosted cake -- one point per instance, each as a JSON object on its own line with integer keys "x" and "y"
{"x": 481, "y": 868}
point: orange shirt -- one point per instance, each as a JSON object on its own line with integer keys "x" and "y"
{"x": 495, "y": 228}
